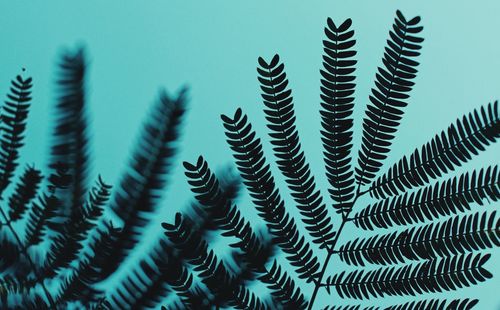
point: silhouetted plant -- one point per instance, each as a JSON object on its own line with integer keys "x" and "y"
{"x": 60, "y": 246}
{"x": 434, "y": 244}
{"x": 57, "y": 242}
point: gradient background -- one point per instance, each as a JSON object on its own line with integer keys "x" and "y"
{"x": 136, "y": 47}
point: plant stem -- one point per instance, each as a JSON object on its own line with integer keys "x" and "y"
{"x": 23, "y": 250}
{"x": 317, "y": 284}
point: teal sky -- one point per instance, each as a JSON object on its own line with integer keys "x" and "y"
{"x": 137, "y": 47}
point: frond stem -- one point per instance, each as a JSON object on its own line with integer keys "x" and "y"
{"x": 318, "y": 284}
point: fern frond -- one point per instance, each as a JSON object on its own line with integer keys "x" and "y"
{"x": 66, "y": 246}
{"x": 12, "y": 127}
{"x": 352, "y": 307}
{"x": 456, "y": 304}
{"x": 170, "y": 274}
{"x": 133, "y": 286}
{"x": 205, "y": 186}
{"x": 447, "y": 151}
{"x": 90, "y": 270}
{"x": 194, "y": 298}
{"x": 38, "y": 219}
{"x": 249, "y": 156}
{"x": 225, "y": 215}
{"x": 212, "y": 271}
{"x": 25, "y": 191}
{"x": 70, "y": 145}
{"x": 337, "y": 90}
{"x": 283, "y": 288}
{"x": 436, "y": 304}
{"x": 139, "y": 191}
{"x": 393, "y": 83}
{"x": 434, "y": 275}
{"x": 457, "y": 235}
{"x": 291, "y": 159}
{"x": 165, "y": 271}
{"x": 444, "y": 198}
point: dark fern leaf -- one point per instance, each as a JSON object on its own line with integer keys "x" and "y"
{"x": 256, "y": 174}
{"x": 140, "y": 189}
{"x": 213, "y": 272}
{"x": 434, "y": 304}
{"x": 135, "y": 285}
{"x": 220, "y": 209}
{"x": 170, "y": 275}
{"x": 448, "y": 150}
{"x": 356, "y": 307}
{"x": 456, "y": 304}
{"x": 43, "y": 214}
{"x": 39, "y": 216}
{"x": 25, "y": 191}
{"x": 166, "y": 273}
{"x": 457, "y": 235}
{"x": 429, "y": 203}
{"x": 291, "y": 160}
{"x": 389, "y": 97}
{"x": 12, "y": 127}
{"x": 70, "y": 145}
{"x": 193, "y": 298}
{"x": 434, "y": 275}
{"x": 337, "y": 103}
{"x": 283, "y": 288}
{"x": 67, "y": 245}
{"x": 205, "y": 186}
{"x": 80, "y": 285}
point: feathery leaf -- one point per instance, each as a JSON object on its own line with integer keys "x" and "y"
{"x": 291, "y": 160}
{"x": 389, "y": 97}
{"x": 430, "y": 276}
{"x": 249, "y": 156}
{"x": 12, "y": 127}
{"x": 444, "y": 153}
{"x": 459, "y": 234}
{"x": 337, "y": 90}
{"x": 441, "y": 199}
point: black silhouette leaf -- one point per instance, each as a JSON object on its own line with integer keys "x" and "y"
{"x": 39, "y": 217}
{"x": 70, "y": 145}
{"x": 213, "y": 272}
{"x": 67, "y": 245}
{"x": 456, "y": 235}
{"x": 448, "y": 150}
{"x": 434, "y": 275}
{"x": 389, "y": 97}
{"x": 139, "y": 191}
{"x": 456, "y": 304}
{"x": 25, "y": 191}
{"x": 435, "y": 304}
{"x": 256, "y": 174}
{"x": 291, "y": 160}
{"x": 443, "y": 198}
{"x": 337, "y": 103}
{"x": 167, "y": 274}
{"x": 91, "y": 269}
{"x": 13, "y": 124}
{"x": 221, "y": 210}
